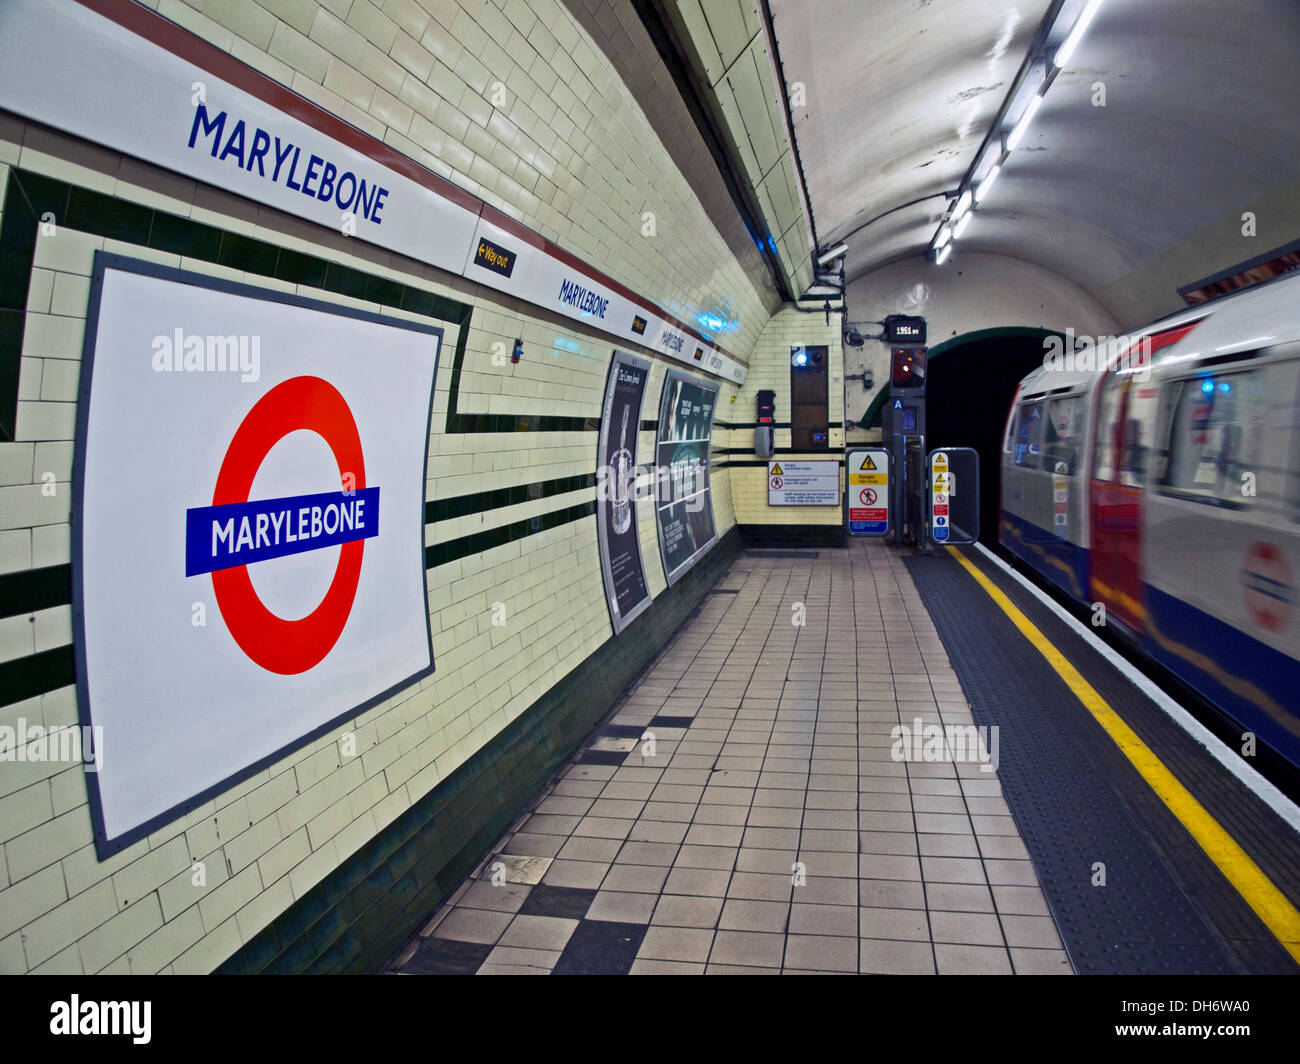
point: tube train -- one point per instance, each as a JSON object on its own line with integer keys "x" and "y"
{"x": 1157, "y": 478}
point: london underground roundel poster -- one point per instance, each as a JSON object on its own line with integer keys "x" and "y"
{"x": 249, "y": 529}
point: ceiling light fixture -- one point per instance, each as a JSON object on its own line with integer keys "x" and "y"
{"x": 982, "y": 189}
{"x": 1017, "y": 133}
{"x": 963, "y": 205}
{"x": 1042, "y": 65}
{"x": 1071, "y": 42}
{"x": 831, "y": 255}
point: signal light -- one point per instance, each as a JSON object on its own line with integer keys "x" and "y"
{"x": 907, "y": 367}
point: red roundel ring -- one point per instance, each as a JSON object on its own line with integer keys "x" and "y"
{"x": 280, "y": 646}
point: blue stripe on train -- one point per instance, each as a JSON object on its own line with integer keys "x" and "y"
{"x": 1223, "y": 664}
{"x": 1210, "y": 656}
{"x": 1062, "y": 562}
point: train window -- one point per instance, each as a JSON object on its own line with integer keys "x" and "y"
{"x": 1064, "y": 432}
{"x": 1214, "y": 437}
{"x": 1103, "y": 458}
{"x": 1009, "y": 443}
{"x": 1137, "y": 434}
{"x": 1029, "y": 435}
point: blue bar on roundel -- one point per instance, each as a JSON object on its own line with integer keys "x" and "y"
{"x": 223, "y": 537}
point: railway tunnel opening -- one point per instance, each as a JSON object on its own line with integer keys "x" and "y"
{"x": 972, "y": 380}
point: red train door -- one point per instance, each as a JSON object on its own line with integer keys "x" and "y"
{"x": 1115, "y": 506}
{"x": 1125, "y": 418}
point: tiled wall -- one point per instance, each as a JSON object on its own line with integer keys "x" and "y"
{"x": 770, "y": 368}
{"x": 510, "y": 490}
{"x": 512, "y": 101}
{"x": 271, "y": 840}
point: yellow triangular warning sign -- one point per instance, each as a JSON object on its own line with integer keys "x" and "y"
{"x": 776, "y": 471}
{"x": 867, "y": 463}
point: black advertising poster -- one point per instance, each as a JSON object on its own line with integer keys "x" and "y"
{"x": 683, "y": 499}
{"x": 620, "y": 549}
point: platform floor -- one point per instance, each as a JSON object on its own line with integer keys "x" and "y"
{"x": 768, "y": 829}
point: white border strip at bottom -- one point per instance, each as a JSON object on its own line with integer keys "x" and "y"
{"x": 1254, "y": 782}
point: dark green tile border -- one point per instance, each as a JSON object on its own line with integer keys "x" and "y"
{"x": 463, "y": 505}
{"x": 442, "y": 553}
{"x": 365, "y": 909}
{"x": 29, "y": 196}
{"x": 758, "y": 537}
{"x": 30, "y": 590}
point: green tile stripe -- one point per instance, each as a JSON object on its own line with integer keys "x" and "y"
{"x": 355, "y": 918}
{"x": 463, "y": 505}
{"x": 35, "y": 589}
{"x": 29, "y": 196}
{"x": 442, "y": 553}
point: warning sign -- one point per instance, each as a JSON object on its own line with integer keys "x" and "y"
{"x": 868, "y": 490}
{"x": 803, "y": 484}
{"x": 940, "y": 488}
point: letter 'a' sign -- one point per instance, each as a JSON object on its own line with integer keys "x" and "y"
{"x": 249, "y": 494}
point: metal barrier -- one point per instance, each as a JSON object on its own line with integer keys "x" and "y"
{"x": 915, "y": 492}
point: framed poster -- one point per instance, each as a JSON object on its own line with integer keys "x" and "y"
{"x": 248, "y": 530}
{"x": 683, "y": 497}
{"x": 616, "y": 514}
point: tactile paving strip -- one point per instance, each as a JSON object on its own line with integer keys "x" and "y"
{"x": 1079, "y": 802}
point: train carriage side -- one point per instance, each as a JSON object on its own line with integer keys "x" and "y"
{"x": 1043, "y": 518}
{"x": 1220, "y": 549}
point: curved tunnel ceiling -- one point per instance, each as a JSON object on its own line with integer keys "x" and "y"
{"x": 1199, "y": 123}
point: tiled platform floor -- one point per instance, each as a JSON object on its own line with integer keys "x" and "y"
{"x": 771, "y": 746}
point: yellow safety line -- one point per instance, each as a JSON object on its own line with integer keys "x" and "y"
{"x": 1269, "y": 903}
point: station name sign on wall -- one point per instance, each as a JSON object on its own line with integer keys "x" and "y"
{"x": 248, "y": 514}
{"x": 57, "y": 60}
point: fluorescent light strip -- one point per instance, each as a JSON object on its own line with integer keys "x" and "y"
{"x": 982, "y": 189}
{"x": 1071, "y": 42}
{"x": 961, "y": 225}
{"x": 1018, "y": 133}
{"x": 942, "y": 256}
{"x": 942, "y": 238}
{"x": 963, "y": 205}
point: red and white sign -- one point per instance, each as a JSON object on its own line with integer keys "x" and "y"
{"x": 224, "y": 614}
